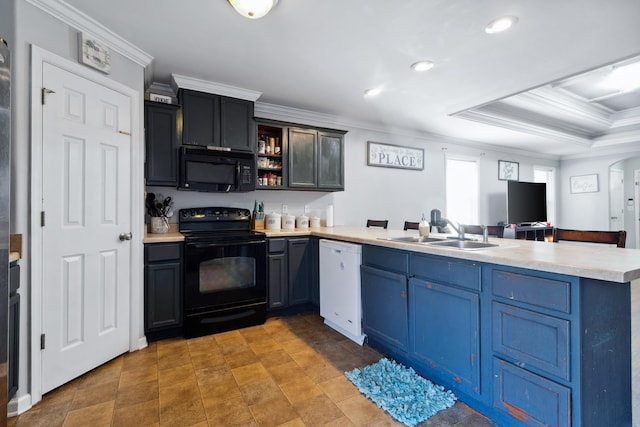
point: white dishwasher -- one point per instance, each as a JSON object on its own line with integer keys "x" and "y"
{"x": 340, "y": 301}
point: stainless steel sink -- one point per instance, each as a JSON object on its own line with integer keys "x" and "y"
{"x": 464, "y": 244}
{"x": 413, "y": 239}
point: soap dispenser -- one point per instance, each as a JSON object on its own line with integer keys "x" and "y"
{"x": 423, "y": 227}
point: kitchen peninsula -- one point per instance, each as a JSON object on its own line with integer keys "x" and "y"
{"x": 530, "y": 332}
{"x": 525, "y": 332}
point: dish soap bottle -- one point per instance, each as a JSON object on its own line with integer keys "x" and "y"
{"x": 423, "y": 227}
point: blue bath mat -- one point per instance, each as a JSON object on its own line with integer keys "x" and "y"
{"x": 405, "y": 395}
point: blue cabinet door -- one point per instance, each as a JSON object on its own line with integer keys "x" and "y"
{"x": 444, "y": 328}
{"x": 384, "y": 304}
{"x": 529, "y": 398}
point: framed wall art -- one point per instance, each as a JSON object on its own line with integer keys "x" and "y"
{"x": 94, "y": 53}
{"x": 394, "y": 156}
{"x": 508, "y": 171}
{"x": 584, "y": 183}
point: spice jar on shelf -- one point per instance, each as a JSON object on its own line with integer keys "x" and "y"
{"x": 276, "y": 149}
{"x": 261, "y": 145}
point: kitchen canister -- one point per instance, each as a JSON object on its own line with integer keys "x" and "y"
{"x": 272, "y": 221}
{"x": 302, "y": 221}
{"x": 288, "y": 222}
{"x": 314, "y": 222}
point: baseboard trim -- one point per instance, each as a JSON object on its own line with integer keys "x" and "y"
{"x": 18, "y": 405}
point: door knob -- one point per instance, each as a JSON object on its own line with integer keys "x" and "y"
{"x": 125, "y": 236}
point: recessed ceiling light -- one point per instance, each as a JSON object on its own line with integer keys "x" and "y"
{"x": 370, "y": 93}
{"x": 422, "y": 66}
{"x": 501, "y": 24}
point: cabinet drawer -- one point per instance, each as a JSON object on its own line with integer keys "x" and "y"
{"x": 156, "y": 252}
{"x": 534, "y": 339}
{"x": 534, "y": 290}
{"x": 277, "y": 245}
{"x": 532, "y": 400}
{"x": 445, "y": 270}
{"x": 386, "y": 259}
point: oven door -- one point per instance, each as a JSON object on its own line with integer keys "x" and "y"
{"x": 224, "y": 274}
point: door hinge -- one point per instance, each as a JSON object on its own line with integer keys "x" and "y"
{"x": 42, "y": 219}
{"x": 45, "y": 92}
{"x": 41, "y": 341}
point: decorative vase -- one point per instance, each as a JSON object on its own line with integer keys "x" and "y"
{"x": 159, "y": 225}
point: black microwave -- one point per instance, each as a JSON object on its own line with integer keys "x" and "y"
{"x": 216, "y": 170}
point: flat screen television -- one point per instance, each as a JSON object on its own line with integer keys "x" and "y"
{"x": 526, "y": 202}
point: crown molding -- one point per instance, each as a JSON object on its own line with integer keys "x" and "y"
{"x": 626, "y": 136}
{"x": 629, "y": 117}
{"x": 495, "y": 119}
{"x": 178, "y": 81}
{"x": 71, "y": 16}
{"x": 288, "y": 114}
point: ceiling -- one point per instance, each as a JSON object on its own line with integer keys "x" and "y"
{"x": 322, "y": 55}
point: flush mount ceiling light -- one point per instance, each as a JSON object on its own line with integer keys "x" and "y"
{"x": 501, "y": 24}
{"x": 422, "y": 66}
{"x": 370, "y": 93}
{"x": 253, "y": 9}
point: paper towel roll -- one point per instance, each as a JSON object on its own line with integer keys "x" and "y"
{"x": 329, "y": 222}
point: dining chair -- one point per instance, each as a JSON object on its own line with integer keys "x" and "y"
{"x": 408, "y": 225}
{"x": 377, "y": 223}
{"x": 493, "y": 230}
{"x": 618, "y": 238}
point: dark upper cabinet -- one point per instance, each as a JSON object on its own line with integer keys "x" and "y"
{"x": 216, "y": 120}
{"x": 200, "y": 118}
{"x": 237, "y": 130}
{"x": 316, "y": 159}
{"x": 302, "y": 158}
{"x": 330, "y": 161}
{"x": 161, "y": 138}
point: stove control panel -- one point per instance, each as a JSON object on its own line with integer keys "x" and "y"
{"x": 214, "y": 214}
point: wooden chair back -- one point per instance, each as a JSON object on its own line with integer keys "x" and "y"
{"x": 408, "y": 225}
{"x": 494, "y": 230}
{"x": 618, "y": 238}
{"x": 377, "y": 223}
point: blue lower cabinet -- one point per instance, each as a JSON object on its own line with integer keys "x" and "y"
{"x": 536, "y": 340}
{"x": 444, "y": 327}
{"x": 529, "y": 399}
{"x": 384, "y": 307}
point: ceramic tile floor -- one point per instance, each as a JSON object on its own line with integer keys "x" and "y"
{"x": 287, "y": 372}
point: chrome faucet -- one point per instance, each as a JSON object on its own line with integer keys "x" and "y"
{"x": 458, "y": 227}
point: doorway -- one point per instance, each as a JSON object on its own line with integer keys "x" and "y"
{"x": 98, "y": 289}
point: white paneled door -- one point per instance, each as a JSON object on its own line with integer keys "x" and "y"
{"x": 86, "y": 203}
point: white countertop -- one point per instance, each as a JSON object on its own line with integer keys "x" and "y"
{"x": 595, "y": 261}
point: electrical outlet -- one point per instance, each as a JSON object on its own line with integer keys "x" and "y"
{"x": 307, "y": 208}
{"x": 285, "y": 209}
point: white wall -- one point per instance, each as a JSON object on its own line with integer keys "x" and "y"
{"x": 587, "y": 210}
{"x": 377, "y": 192}
{"x": 32, "y": 26}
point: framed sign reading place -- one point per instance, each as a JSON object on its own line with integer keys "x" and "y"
{"x": 584, "y": 183}
{"x": 394, "y": 156}
{"x": 508, "y": 171}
